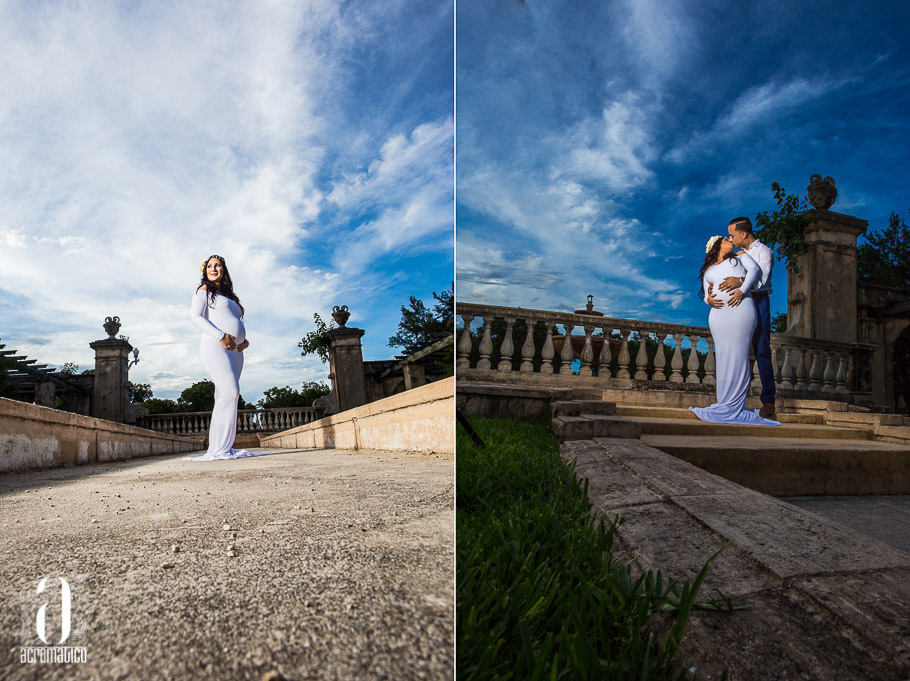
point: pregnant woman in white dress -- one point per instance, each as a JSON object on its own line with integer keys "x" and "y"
{"x": 217, "y": 312}
{"x": 732, "y": 325}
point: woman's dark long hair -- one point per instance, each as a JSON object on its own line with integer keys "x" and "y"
{"x": 710, "y": 260}
{"x": 224, "y": 288}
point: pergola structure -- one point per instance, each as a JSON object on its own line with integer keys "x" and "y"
{"x": 40, "y": 383}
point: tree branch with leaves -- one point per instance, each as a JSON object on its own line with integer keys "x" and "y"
{"x": 784, "y": 228}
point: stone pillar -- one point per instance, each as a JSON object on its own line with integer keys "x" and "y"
{"x": 111, "y": 395}
{"x": 414, "y": 375}
{"x": 821, "y": 300}
{"x": 44, "y": 393}
{"x": 346, "y": 365}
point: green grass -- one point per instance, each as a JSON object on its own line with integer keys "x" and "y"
{"x": 539, "y": 592}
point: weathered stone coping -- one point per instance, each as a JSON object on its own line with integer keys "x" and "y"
{"x": 579, "y": 320}
{"x": 417, "y": 420}
{"x": 826, "y": 602}
{"x": 34, "y": 437}
{"x": 513, "y": 386}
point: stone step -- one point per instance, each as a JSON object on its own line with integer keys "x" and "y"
{"x": 589, "y": 426}
{"x": 685, "y": 413}
{"x": 578, "y": 407}
{"x": 694, "y": 427}
{"x": 783, "y": 466}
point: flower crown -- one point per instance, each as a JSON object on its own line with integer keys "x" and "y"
{"x": 711, "y": 243}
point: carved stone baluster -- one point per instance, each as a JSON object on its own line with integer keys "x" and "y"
{"x": 841, "y": 377}
{"x": 786, "y": 371}
{"x": 815, "y": 373}
{"x": 568, "y": 354}
{"x": 464, "y": 343}
{"x": 641, "y": 358}
{"x": 624, "y": 356}
{"x": 710, "y": 364}
{"x": 660, "y": 359}
{"x": 527, "y": 349}
{"x": 507, "y": 347}
{"x": 692, "y": 364}
{"x": 587, "y": 354}
{"x": 486, "y": 345}
{"x": 546, "y": 352}
{"x": 851, "y": 373}
{"x": 830, "y": 373}
{"x": 606, "y": 355}
{"x": 676, "y": 363}
{"x": 801, "y": 384}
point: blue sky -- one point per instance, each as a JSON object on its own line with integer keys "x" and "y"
{"x": 310, "y": 143}
{"x": 600, "y": 144}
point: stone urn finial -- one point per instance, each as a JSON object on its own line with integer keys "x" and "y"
{"x": 341, "y": 315}
{"x": 112, "y": 326}
{"x": 822, "y": 192}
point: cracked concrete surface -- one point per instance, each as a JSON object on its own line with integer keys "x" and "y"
{"x": 313, "y": 564}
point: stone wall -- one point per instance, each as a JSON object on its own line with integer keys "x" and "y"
{"x": 418, "y": 420}
{"x": 34, "y": 437}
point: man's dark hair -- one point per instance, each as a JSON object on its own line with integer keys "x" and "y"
{"x": 743, "y": 224}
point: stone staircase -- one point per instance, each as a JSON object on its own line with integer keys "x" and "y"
{"x": 818, "y": 449}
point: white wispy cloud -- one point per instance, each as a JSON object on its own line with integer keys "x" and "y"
{"x": 769, "y": 99}
{"x": 759, "y": 106}
{"x": 409, "y": 191}
{"x": 614, "y": 150}
{"x": 567, "y": 233}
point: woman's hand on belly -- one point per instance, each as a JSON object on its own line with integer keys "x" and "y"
{"x": 715, "y": 300}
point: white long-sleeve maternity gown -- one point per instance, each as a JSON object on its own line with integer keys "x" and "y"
{"x": 223, "y": 366}
{"x": 732, "y": 329}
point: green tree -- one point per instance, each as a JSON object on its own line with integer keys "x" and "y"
{"x": 783, "y": 228}
{"x": 139, "y": 392}
{"x": 198, "y": 397}
{"x": 157, "y": 405}
{"x": 885, "y": 260}
{"x": 289, "y": 397}
{"x": 420, "y": 327}
{"x": 779, "y": 322}
{"x": 317, "y": 342}
{"x": 69, "y": 369}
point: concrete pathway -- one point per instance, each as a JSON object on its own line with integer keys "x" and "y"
{"x": 886, "y": 518}
{"x": 309, "y": 564}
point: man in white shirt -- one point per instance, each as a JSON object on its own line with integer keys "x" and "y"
{"x": 740, "y": 230}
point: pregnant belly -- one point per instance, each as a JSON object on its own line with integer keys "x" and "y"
{"x": 231, "y": 325}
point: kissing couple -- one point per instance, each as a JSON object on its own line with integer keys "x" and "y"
{"x": 737, "y": 287}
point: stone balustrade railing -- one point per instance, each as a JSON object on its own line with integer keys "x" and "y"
{"x": 807, "y": 365}
{"x": 502, "y": 344}
{"x": 248, "y": 420}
